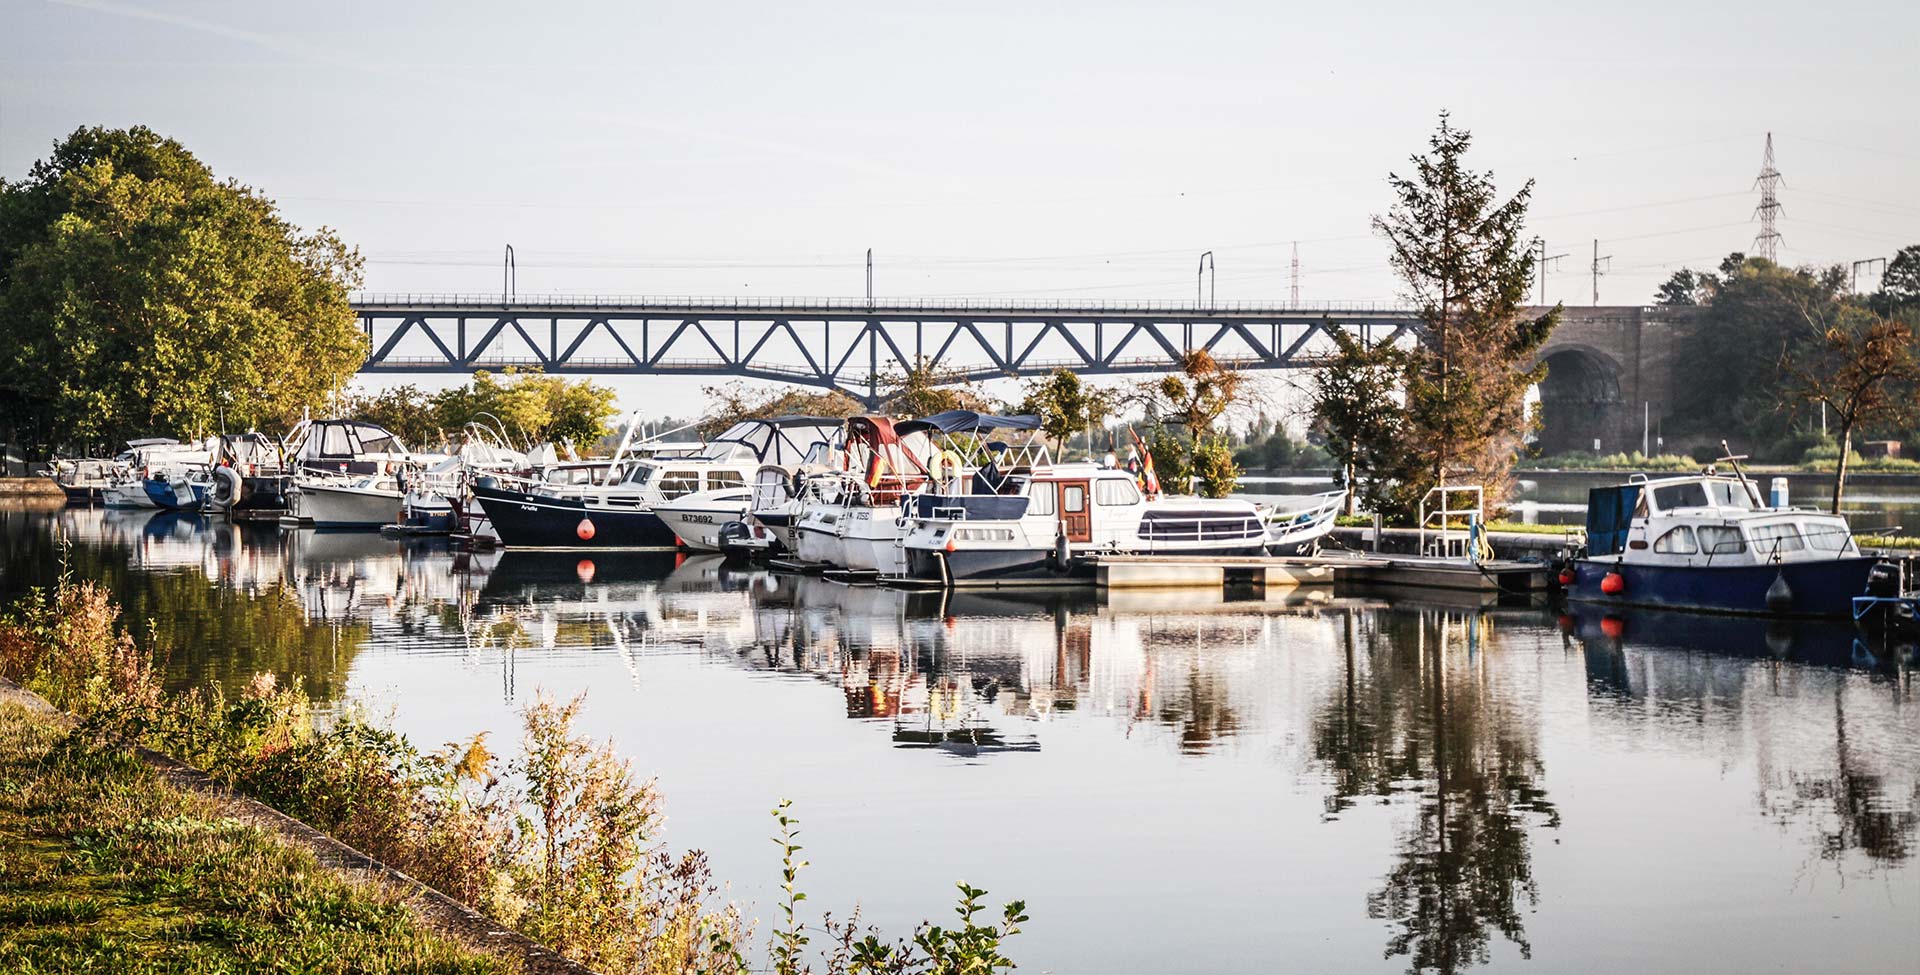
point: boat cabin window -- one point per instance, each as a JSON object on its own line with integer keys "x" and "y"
{"x": 673, "y": 484}
{"x": 372, "y": 441}
{"x": 1721, "y": 540}
{"x": 1777, "y": 539}
{"x": 725, "y": 479}
{"x": 641, "y": 474}
{"x": 570, "y": 475}
{"x": 1679, "y": 541}
{"x": 1040, "y": 498}
{"x": 1113, "y": 490}
{"x": 1825, "y": 537}
{"x": 1073, "y": 498}
{"x": 334, "y": 442}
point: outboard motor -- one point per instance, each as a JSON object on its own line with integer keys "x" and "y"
{"x": 1883, "y": 580}
{"x": 733, "y": 539}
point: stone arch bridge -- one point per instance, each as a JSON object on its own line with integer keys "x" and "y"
{"x": 1614, "y": 373}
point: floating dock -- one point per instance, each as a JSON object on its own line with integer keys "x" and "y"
{"x": 1195, "y": 572}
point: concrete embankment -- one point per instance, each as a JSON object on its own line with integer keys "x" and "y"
{"x": 29, "y": 487}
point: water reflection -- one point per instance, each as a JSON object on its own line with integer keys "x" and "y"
{"x": 1849, "y": 793}
{"x": 1465, "y": 758}
{"x": 1416, "y": 720}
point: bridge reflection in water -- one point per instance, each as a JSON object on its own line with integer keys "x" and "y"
{"x": 1352, "y": 781}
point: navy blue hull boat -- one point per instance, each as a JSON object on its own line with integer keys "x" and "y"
{"x": 1812, "y": 589}
{"x": 532, "y": 520}
{"x": 1707, "y": 543}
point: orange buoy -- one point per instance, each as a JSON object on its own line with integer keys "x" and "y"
{"x": 584, "y": 570}
{"x": 584, "y": 530}
{"x": 1566, "y": 577}
{"x": 1613, "y": 584}
{"x": 1613, "y": 626}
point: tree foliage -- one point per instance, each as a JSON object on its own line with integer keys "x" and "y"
{"x": 930, "y": 388}
{"x": 1466, "y": 265}
{"x": 1066, "y": 406}
{"x": 139, "y": 295}
{"x": 1756, "y": 312}
{"x": 531, "y": 407}
{"x": 1864, "y": 370}
{"x": 1357, "y": 405}
{"x": 735, "y": 401}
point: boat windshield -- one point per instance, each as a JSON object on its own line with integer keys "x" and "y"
{"x": 1702, "y": 494}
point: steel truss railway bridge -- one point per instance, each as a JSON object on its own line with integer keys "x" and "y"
{"x": 849, "y": 344}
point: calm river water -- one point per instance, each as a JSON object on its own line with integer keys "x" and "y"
{"x": 1174, "y": 783}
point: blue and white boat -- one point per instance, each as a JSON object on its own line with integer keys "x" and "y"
{"x": 1707, "y": 542}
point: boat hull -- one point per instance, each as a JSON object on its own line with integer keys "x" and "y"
{"x": 699, "y": 528}
{"x": 1017, "y": 566}
{"x": 81, "y": 494}
{"x": 347, "y": 508}
{"x": 175, "y": 496}
{"x": 1823, "y": 588}
{"x": 538, "y": 521}
{"x": 128, "y": 494}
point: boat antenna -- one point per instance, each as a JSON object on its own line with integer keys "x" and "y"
{"x": 1727, "y": 454}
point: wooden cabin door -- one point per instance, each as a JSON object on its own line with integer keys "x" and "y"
{"x": 1075, "y": 509}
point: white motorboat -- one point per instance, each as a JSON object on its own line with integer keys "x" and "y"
{"x": 1042, "y": 527}
{"x": 346, "y": 474}
{"x": 347, "y": 501}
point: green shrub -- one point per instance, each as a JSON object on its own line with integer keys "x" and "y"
{"x": 1214, "y": 467}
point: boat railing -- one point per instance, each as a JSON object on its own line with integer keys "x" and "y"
{"x": 1326, "y": 505}
{"x": 1438, "y": 537}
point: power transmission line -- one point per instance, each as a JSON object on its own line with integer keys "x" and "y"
{"x": 1767, "y": 243}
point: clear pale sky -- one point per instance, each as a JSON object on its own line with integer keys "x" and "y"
{"x": 992, "y": 149}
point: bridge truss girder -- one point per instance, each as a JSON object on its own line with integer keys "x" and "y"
{"x": 851, "y": 351}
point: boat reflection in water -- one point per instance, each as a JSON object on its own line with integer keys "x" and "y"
{"x": 1458, "y": 784}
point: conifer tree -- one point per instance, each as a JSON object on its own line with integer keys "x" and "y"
{"x": 1466, "y": 266}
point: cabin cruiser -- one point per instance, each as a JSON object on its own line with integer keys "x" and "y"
{"x": 346, "y": 474}
{"x": 1707, "y": 542}
{"x": 856, "y": 518}
{"x": 83, "y": 479}
{"x": 1042, "y": 526}
{"x": 697, "y": 518}
{"x": 625, "y": 510}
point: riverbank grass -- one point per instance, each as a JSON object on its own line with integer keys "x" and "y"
{"x": 105, "y": 867}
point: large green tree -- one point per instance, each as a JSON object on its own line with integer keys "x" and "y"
{"x": 139, "y": 295}
{"x": 1466, "y": 265}
{"x": 1756, "y": 316}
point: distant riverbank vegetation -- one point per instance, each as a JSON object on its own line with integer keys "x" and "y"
{"x": 141, "y": 294}
{"x": 529, "y": 406}
{"x": 561, "y": 842}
